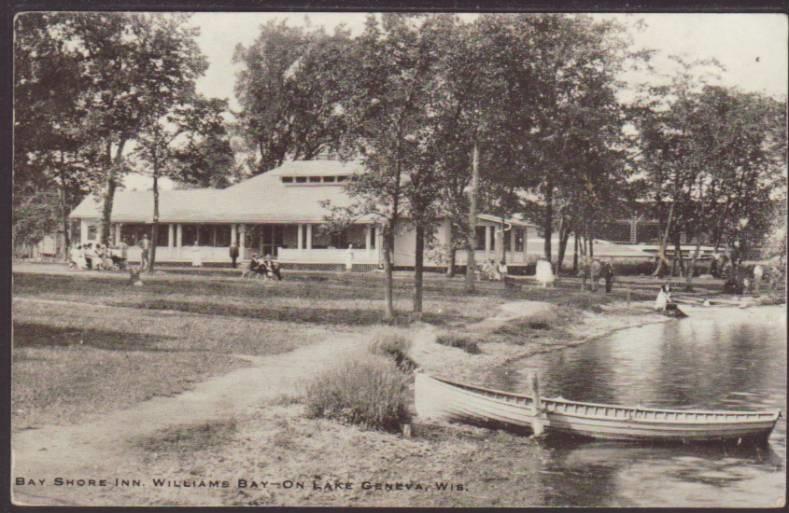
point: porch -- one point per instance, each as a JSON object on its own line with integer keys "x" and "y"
{"x": 308, "y": 243}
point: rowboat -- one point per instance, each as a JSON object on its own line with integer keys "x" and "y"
{"x": 439, "y": 398}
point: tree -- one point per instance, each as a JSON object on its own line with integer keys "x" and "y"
{"x": 54, "y": 160}
{"x": 289, "y": 88}
{"x": 167, "y": 144}
{"x": 385, "y": 113}
{"x": 129, "y": 65}
{"x": 711, "y": 162}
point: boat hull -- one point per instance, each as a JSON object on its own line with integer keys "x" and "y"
{"x": 443, "y": 399}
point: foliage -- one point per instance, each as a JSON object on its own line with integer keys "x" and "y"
{"x": 289, "y": 87}
{"x": 710, "y": 157}
{"x": 393, "y": 345}
{"x": 368, "y": 390}
{"x": 132, "y": 67}
{"x": 461, "y": 341}
{"x": 55, "y": 160}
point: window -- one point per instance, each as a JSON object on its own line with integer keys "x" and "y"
{"x": 342, "y": 178}
{"x": 222, "y": 236}
{"x": 481, "y": 232}
{"x": 518, "y": 239}
{"x": 131, "y": 234}
{"x": 508, "y": 240}
{"x": 372, "y": 236}
{"x": 190, "y": 233}
{"x": 315, "y": 179}
{"x": 162, "y": 236}
{"x": 287, "y": 179}
{"x": 329, "y": 179}
{"x": 301, "y": 179}
{"x": 92, "y": 229}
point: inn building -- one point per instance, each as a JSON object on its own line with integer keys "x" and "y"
{"x": 283, "y": 213}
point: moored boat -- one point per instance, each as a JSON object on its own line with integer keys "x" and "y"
{"x": 440, "y": 398}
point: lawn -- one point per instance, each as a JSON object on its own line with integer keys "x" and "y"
{"x": 88, "y": 343}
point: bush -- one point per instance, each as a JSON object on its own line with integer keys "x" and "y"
{"x": 395, "y": 346}
{"x": 369, "y": 391}
{"x": 463, "y": 342}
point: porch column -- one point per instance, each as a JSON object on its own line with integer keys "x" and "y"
{"x": 170, "y": 236}
{"x": 83, "y": 231}
{"x": 633, "y": 231}
{"x": 379, "y": 243}
{"x": 525, "y": 243}
{"x": 368, "y": 237}
{"x": 118, "y": 228}
{"x": 233, "y": 228}
{"x": 179, "y": 237}
{"x": 242, "y": 240}
{"x": 512, "y": 242}
{"x": 498, "y": 234}
{"x": 300, "y": 237}
{"x": 488, "y": 236}
{"x": 309, "y": 236}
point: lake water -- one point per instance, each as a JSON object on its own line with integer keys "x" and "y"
{"x": 716, "y": 359}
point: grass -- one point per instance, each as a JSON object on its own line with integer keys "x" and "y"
{"x": 105, "y": 345}
{"x": 189, "y": 438}
{"x": 58, "y": 380}
{"x": 369, "y": 391}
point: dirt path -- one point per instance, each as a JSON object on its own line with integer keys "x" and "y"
{"x": 101, "y": 449}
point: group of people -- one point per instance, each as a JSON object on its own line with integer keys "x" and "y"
{"x": 594, "y": 270}
{"x": 98, "y": 256}
{"x": 266, "y": 268}
{"x": 492, "y": 271}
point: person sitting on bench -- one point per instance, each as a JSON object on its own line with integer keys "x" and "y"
{"x": 272, "y": 268}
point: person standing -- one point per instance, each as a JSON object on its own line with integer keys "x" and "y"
{"x": 595, "y": 270}
{"x": 758, "y": 274}
{"x": 145, "y": 246}
{"x": 608, "y": 275}
{"x": 197, "y": 258}
{"x": 234, "y": 253}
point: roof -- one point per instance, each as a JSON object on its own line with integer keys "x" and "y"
{"x": 260, "y": 199}
{"x": 515, "y": 220}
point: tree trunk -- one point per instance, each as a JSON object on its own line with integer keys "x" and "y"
{"x": 155, "y": 226}
{"x": 110, "y": 184}
{"x": 679, "y": 262}
{"x": 575, "y": 253}
{"x": 471, "y": 235}
{"x": 64, "y": 209}
{"x": 548, "y": 221}
{"x": 388, "y": 285}
{"x": 564, "y": 237}
{"x": 451, "y": 254}
{"x": 689, "y": 275}
{"x": 662, "y": 260}
{"x": 419, "y": 259}
{"x": 590, "y": 238}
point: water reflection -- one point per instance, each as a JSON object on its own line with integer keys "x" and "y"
{"x": 726, "y": 359}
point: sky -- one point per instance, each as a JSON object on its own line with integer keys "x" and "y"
{"x": 752, "y": 47}
{"x": 736, "y": 40}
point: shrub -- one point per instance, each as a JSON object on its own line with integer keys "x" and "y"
{"x": 395, "y": 346}
{"x": 463, "y": 342}
{"x": 369, "y": 391}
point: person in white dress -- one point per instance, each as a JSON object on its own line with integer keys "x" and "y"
{"x": 544, "y": 273}
{"x": 197, "y": 257}
{"x": 663, "y": 298}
